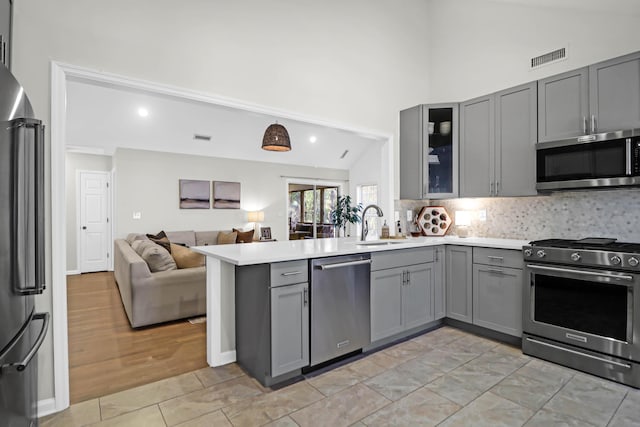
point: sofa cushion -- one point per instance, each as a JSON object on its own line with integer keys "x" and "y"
{"x": 187, "y": 238}
{"x": 132, "y": 237}
{"x": 158, "y": 258}
{"x": 204, "y": 238}
{"x": 244, "y": 236}
{"x": 185, "y": 257}
{"x": 227, "y": 238}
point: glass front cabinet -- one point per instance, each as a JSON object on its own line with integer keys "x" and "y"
{"x": 429, "y": 152}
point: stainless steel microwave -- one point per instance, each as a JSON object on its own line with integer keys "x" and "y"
{"x": 590, "y": 161}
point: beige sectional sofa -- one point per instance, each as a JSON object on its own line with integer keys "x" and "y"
{"x": 150, "y": 298}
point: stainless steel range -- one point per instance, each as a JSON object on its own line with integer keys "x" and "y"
{"x": 581, "y": 306}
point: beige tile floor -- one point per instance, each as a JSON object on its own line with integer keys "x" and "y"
{"x": 446, "y": 377}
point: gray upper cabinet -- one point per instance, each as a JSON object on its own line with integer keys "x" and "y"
{"x": 477, "y": 135}
{"x": 289, "y": 328}
{"x": 497, "y": 142}
{"x": 614, "y": 90}
{"x": 459, "y": 261}
{"x": 603, "y": 97}
{"x": 429, "y": 152}
{"x": 516, "y": 137}
{"x": 5, "y": 32}
{"x": 563, "y": 105}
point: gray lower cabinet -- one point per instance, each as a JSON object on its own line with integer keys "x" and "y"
{"x": 497, "y": 298}
{"x": 402, "y": 296}
{"x": 5, "y": 32}
{"x": 498, "y": 135}
{"x": 272, "y": 319}
{"x": 439, "y": 288}
{"x": 459, "y": 260}
{"x": 289, "y": 328}
{"x": 603, "y": 97}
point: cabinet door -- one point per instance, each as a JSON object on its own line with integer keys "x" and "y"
{"x": 614, "y": 94}
{"x": 439, "y": 298}
{"x": 5, "y": 31}
{"x": 440, "y": 135}
{"x": 459, "y": 283}
{"x": 497, "y": 299}
{"x": 516, "y": 137}
{"x": 411, "y": 168}
{"x": 386, "y": 303}
{"x": 563, "y": 105}
{"x": 289, "y": 328}
{"x": 476, "y": 147}
{"x": 417, "y": 296}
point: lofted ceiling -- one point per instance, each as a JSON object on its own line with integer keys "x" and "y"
{"x": 103, "y": 117}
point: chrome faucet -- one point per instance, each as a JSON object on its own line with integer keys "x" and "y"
{"x": 365, "y": 227}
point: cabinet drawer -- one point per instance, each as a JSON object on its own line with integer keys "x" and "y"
{"x": 500, "y": 257}
{"x": 289, "y": 272}
{"x": 400, "y": 257}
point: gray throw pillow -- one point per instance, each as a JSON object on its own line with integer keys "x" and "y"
{"x": 132, "y": 237}
{"x": 158, "y": 258}
{"x": 140, "y": 245}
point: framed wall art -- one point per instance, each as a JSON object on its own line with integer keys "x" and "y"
{"x": 194, "y": 194}
{"x": 226, "y": 195}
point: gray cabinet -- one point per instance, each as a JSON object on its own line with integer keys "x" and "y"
{"x": 459, "y": 286}
{"x": 429, "y": 151}
{"x": 497, "y": 143}
{"x": 5, "y": 32}
{"x": 272, "y": 319}
{"x": 497, "y": 298}
{"x": 439, "y": 289}
{"x": 289, "y": 328}
{"x": 402, "y": 293}
{"x": 603, "y": 97}
{"x": 497, "y": 289}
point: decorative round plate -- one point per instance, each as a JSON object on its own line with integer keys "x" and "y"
{"x": 434, "y": 221}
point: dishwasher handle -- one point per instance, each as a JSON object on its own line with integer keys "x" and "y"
{"x": 343, "y": 264}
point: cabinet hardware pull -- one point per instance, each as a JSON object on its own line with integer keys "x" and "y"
{"x": 491, "y": 188}
{"x": 497, "y": 258}
{"x": 306, "y": 296}
{"x": 408, "y": 277}
{"x": 584, "y": 125}
{"x": 495, "y": 270}
{"x": 497, "y": 187}
{"x": 291, "y": 273}
{"x": 404, "y": 278}
{"x": 593, "y": 123}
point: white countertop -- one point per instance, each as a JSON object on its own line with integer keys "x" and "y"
{"x": 288, "y": 250}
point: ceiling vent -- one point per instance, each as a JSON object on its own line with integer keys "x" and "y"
{"x": 198, "y": 137}
{"x": 549, "y": 58}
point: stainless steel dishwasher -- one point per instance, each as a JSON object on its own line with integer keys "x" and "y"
{"x": 340, "y": 309}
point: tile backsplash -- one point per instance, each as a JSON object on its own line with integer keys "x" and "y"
{"x": 604, "y": 213}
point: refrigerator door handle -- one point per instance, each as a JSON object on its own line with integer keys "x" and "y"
{"x": 21, "y": 235}
{"x": 22, "y": 365}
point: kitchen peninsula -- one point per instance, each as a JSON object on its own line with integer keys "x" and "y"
{"x": 223, "y": 262}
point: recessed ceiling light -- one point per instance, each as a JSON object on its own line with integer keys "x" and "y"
{"x": 313, "y": 139}
{"x": 143, "y": 112}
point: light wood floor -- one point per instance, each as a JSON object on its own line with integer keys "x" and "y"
{"x": 106, "y": 355}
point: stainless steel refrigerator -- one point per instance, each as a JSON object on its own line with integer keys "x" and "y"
{"x": 22, "y": 330}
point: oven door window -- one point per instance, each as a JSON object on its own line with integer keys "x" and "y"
{"x": 591, "y": 307}
{"x": 582, "y": 161}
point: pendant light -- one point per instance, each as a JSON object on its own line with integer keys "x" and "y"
{"x": 276, "y": 138}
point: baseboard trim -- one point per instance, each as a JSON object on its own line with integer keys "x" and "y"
{"x": 46, "y": 407}
{"x": 225, "y": 358}
{"x": 73, "y": 272}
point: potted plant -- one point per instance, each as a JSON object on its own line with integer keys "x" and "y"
{"x": 344, "y": 214}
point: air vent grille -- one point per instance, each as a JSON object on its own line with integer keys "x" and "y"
{"x": 202, "y": 137}
{"x": 547, "y": 58}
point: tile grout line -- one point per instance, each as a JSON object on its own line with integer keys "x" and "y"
{"x": 617, "y": 409}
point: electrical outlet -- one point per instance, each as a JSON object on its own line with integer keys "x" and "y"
{"x": 396, "y": 216}
{"x": 482, "y": 215}
{"x": 409, "y": 215}
{"x": 137, "y": 215}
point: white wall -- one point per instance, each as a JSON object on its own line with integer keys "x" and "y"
{"x": 147, "y": 182}
{"x": 74, "y": 163}
{"x": 477, "y": 47}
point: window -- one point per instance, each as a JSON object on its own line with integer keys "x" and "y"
{"x": 310, "y": 207}
{"x": 368, "y": 195}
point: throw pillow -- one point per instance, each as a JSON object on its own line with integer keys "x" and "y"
{"x": 132, "y": 237}
{"x": 140, "y": 245}
{"x": 164, "y": 242}
{"x": 227, "y": 238}
{"x": 244, "y": 236}
{"x": 185, "y": 257}
{"x": 158, "y": 236}
{"x": 158, "y": 259}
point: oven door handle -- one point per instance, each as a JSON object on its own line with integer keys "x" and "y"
{"x": 583, "y": 273}
{"x": 579, "y": 353}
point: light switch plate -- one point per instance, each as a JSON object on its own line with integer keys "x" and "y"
{"x": 409, "y": 215}
{"x": 137, "y": 215}
{"x": 482, "y": 215}
{"x": 396, "y": 216}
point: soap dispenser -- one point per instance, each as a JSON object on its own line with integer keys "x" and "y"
{"x": 385, "y": 230}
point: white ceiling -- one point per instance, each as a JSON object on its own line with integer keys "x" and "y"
{"x": 102, "y": 117}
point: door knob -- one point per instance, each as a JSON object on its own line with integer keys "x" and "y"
{"x": 84, "y": 227}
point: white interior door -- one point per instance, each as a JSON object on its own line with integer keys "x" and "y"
{"x": 94, "y": 221}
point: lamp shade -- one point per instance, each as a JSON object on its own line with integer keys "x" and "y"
{"x": 276, "y": 138}
{"x": 255, "y": 216}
